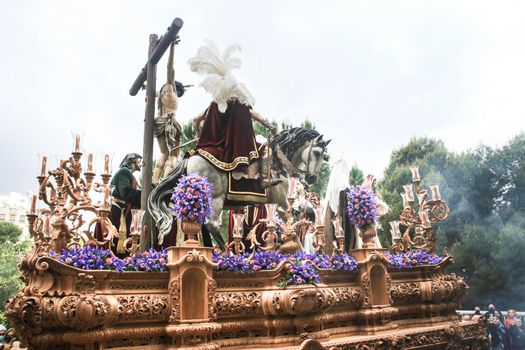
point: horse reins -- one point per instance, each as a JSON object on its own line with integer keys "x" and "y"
{"x": 292, "y": 169}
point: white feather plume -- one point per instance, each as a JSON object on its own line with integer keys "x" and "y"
{"x": 219, "y": 80}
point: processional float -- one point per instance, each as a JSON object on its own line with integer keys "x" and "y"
{"x": 265, "y": 295}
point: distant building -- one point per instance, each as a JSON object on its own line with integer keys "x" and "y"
{"x": 13, "y": 209}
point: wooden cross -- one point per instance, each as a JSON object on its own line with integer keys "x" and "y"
{"x": 148, "y": 75}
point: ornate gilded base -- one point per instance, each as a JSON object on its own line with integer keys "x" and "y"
{"x": 194, "y": 307}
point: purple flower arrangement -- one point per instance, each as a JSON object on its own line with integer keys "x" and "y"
{"x": 361, "y": 207}
{"x": 411, "y": 259}
{"x": 91, "y": 257}
{"x": 192, "y": 198}
{"x": 303, "y": 270}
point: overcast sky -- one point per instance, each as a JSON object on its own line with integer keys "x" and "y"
{"x": 370, "y": 75}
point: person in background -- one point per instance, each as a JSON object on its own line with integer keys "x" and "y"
{"x": 477, "y": 314}
{"x": 515, "y": 336}
{"x": 492, "y": 310}
{"x": 511, "y": 318}
{"x": 126, "y": 196}
{"x": 496, "y": 331}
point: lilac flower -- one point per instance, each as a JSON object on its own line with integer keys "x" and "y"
{"x": 361, "y": 206}
{"x": 303, "y": 270}
{"x": 411, "y": 259}
{"x": 192, "y": 198}
{"x": 97, "y": 258}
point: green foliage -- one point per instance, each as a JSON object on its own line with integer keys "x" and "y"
{"x": 485, "y": 189}
{"x": 9, "y": 232}
{"x": 189, "y": 133}
{"x": 356, "y": 176}
{"x": 322, "y": 180}
{"x": 10, "y": 255}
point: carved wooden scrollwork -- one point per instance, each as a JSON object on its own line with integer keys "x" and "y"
{"x": 174, "y": 291}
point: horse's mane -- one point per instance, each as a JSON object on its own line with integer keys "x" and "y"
{"x": 290, "y": 141}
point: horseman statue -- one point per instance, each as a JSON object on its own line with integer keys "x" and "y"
{"x": 242, "y": 171}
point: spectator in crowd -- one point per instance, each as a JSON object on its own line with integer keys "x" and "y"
{"x": 511, "y": 318}
{"x": 492, "y": 310}
{"x": 496, "y": 332}
{"x": 477, "y": 314}
{"x": 515, "y": 336}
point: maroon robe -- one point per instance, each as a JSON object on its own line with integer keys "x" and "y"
{"x": 227, "y": 139}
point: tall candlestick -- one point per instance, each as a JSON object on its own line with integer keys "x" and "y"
{"x": 396, "y": 233}
{"x": 106, "y": 164}
{"x": 415, "y": 174}
{"x": 425, "y": 220}
{"x": 405, "y": 200}
{"x": 435, "y": 192}
{"x": 338, "y": 228}
{"x": 47, "y": 225}
{"x": 77, "y": 143}
{"x": 33, "y": 204}
{"x": 90, "y": 162}
{"x": 291, "y": 187}
{"x": 106, "y": 196}
{"x": 409, "y": 193}
{"x": 319, "y": 216}
{"x": 44, "y": 164}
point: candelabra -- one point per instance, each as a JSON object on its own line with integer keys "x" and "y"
{"x": 131, "y": 245}
{"x": 339, "y": 243}
{"x": 66, "y": 192}
{"x": 428, "y": 211}
{"x": 237, "y": 245}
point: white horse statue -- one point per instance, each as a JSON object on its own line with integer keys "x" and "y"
{"x": 295, "y": 152}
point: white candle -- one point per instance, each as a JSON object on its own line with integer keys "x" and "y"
{"x": 33, "y": 204}
{"x": 44, "y": 165}
{"x": 47, "y": 225}
{"x": 106, "y": 196}
{"x": 435, "y": 192}
{"x": 77, "y": 143}
{"x": 291, "y": 187}
{"x": 338, "y": 228}
{"x": 409, "y": 193}
{"x": 404, "y": 197}
{"x": 421, "y": 196}
{"x": 415, "y": 174}
{"x": 425, "y": 221}
{"x": 106, "y": 164}
{"x": 90, "y": 162}
{"x": 396, "y": 233}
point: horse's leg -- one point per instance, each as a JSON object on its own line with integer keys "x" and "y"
{"x": 197, "y": 164}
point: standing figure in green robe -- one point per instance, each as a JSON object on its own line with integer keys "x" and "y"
{"x": 126, "y": 196}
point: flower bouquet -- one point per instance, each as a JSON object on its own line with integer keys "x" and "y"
{"x": 362, "y": 211}
{"x": 192, "y": 202}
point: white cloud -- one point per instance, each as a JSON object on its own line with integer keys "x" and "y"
{"x": 370, "y": 75}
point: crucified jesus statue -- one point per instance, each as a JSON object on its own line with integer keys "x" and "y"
{"x": 167, "y": 130}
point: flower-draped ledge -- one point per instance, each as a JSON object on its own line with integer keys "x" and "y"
{"x": 192, "y": 198}
{"x": 304, "y": 268}
{"x": 361, "y": 206}
{"x": 412, "y": 259}
{"x": 91, "y": 257}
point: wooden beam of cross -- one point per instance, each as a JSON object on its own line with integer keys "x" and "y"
{"x": 148, "y": 74}
{"x": 154, "y": 57}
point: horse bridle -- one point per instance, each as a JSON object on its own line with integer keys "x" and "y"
{"x": 292, "y": 169}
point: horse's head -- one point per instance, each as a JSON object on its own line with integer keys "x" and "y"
{"x": 300, "y": 151}
{"x": 313, "y": 155}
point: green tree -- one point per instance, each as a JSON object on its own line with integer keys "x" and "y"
{"x": 356, "y": 176}
{"x": 10, "y": 255}
{"x": 429, "y": 154}
{"x": 9, "y": 232}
